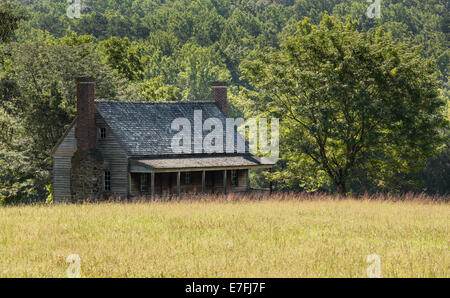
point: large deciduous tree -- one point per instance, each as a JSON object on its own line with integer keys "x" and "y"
{"x": 348, "y": 101}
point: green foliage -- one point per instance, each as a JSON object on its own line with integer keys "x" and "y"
{"x": 18, "y": 178}
{"x": 49, "y": 189}
{"x": 237, "y": 27}
{"x": 199, "y": 67}
{"x": 10, "y": 16}
{"x": 155, "y": 90}
{"x": 347, "y": 101}
{"x": 124, "y": 57}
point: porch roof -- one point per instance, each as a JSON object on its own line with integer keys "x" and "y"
{"x": 197, "y": 163}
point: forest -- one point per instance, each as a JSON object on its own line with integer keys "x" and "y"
{"x": 171, "y": 50}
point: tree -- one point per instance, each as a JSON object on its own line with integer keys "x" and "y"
{"x": 199, "y": 67}
{"x": 10, "y": 16}
{"x": 124, "y": 57}
{"x": 437, "y": 171}
{"x": 18, "y": 181}
{"x": 155, "y": 90}
{"x": 347, "y": 101}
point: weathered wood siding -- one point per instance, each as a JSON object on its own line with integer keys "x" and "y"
{"x": 115, "y": 159}
{"x": 166, "y": 183}
{"x": 217, "y": 185}
{"x": 62, "y": 159}
{"x": 243, "y": 183}
{"x": 61, "y": 178}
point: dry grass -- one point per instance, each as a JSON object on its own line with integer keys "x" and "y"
{"x": 285, "y": 237}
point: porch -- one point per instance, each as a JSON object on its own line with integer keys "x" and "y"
{"x": 168, "y": 184}
{"x": 178, "y": 175}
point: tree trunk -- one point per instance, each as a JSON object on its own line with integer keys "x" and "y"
{"x": 342, "y": 188}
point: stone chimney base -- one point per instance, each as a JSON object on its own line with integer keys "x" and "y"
{"x": 87, "y": 176}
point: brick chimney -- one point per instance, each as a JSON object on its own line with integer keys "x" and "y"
{"x": 219, "y": 95}
{"x": 86, "y": 132}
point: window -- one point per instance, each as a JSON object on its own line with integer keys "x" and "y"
{"x": 102, "y": 133}
{"x": 144, "y": 184}
{"x": 107, "y": 181}
{"x": 234, "y": 178}
{"x": 187, "y": 178}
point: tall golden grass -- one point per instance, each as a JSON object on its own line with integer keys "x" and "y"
{"x": 284, "y": 235}
{"x": 265, "y": 195}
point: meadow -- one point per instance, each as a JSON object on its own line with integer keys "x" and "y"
{"x": 285, "y": 236}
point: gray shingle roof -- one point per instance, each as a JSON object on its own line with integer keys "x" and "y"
{"x": 201, "y": 162}
{"x": 144, "y": 128}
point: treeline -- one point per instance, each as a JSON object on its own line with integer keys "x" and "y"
{"x": 162, "y": 50}
{"x": 224, "y": 31}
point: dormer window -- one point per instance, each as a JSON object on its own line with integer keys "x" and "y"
{"x": 102, "y": 133}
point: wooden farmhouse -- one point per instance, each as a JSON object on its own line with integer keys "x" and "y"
{"x": 123, "y": 149}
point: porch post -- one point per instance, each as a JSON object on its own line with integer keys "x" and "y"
{"x": 271, "y": 183}
{"x": 129, "y": 184}
{"x": 247, "y": 177}
{"x": 225, "y": 181}
{"x": 179, "y": 184}
{"x": 153, "y": 184}
{"x": 203, "y": 181}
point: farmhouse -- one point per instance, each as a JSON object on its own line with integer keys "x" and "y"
{"x": 123, "y": 149}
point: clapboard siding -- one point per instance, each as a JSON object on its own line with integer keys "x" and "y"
{"x": 68, "y": 146}
{"x": 62, "y": 159}
{"x": 115, "y": 159}
{"x": 61, "y": 178}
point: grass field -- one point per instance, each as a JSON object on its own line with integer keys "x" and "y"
{"x": 276, "y": 238}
